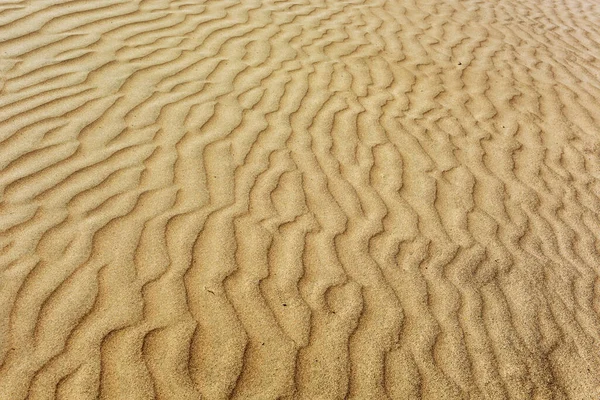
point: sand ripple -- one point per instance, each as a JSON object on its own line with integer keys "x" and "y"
{"x": 305, "y": 199}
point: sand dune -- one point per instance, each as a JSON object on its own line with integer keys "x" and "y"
{"x": 304, "y": 199}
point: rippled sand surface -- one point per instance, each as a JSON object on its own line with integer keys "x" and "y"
{"x": 304, "y": 199}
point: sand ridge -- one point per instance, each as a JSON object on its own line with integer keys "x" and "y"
{"x": 303, "y": 199}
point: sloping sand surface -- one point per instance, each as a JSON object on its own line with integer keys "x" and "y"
{"x": 304, "y": 199}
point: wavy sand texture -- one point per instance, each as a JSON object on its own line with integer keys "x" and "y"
{"x": 305, "y": 199}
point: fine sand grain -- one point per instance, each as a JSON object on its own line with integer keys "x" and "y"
{"x": 304, "y": 199}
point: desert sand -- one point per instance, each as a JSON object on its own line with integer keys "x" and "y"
{"x": 303, "y": 199}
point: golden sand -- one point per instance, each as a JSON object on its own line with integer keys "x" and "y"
{"x": 304, "y": 199}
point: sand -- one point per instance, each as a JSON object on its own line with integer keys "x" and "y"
{"x": 305, "y": 199}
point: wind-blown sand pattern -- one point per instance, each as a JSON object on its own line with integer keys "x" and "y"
{"x": 305, "y": 199}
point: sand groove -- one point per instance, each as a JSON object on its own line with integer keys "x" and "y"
{"x": 304, "y": 199}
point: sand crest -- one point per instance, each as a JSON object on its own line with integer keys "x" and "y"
{"x": 304, "y": 199}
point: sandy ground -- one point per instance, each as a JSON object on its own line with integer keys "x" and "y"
{"x": 305, "y": 199}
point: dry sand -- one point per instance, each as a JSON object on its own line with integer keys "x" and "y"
{"x": 307, "y": 199}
